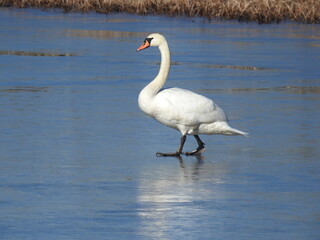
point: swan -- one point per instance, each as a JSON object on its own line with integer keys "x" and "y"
{"x": 186, "y": 111}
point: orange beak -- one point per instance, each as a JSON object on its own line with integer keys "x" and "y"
{"x": 144, "y": 45}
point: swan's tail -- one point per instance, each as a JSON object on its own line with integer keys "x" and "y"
{"x": 224, "y": 129}
{"x": 233, "y": 131}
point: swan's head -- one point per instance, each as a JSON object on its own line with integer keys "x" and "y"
{"x": 153, "y": 40}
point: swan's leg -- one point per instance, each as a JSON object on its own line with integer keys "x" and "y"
{"x": 178, "y": 152}
{"x": 200, "y": 148}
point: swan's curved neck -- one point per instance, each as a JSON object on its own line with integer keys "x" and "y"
{"x": 161, "y": 78}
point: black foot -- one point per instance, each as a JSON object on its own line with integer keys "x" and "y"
{"x": 176, "y": 154}
{"x": 198, "y": 151}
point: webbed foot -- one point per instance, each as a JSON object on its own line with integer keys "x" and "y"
{"x": 176, "y": 154}
{"x": 198, "y": 151}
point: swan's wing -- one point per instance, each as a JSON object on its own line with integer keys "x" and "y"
{"x": 187, "y": 108}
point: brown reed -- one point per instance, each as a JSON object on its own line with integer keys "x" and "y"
{"x": 261, "y": 11}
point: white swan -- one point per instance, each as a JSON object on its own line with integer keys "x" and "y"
{"x": 186, "y": 111}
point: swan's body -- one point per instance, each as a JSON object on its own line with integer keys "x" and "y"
{"x": 186, "y": 111}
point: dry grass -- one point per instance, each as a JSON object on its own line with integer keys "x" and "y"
{"x": 261, "y": 11}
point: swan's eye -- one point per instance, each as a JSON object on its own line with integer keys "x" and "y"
{"x": 148, "y": 40}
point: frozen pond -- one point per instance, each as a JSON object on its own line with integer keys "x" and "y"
{"x": 77, "y": 156}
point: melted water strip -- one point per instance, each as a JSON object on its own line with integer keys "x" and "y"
{"x": 36, "y": 54}
{"x": 292, "y": 89}
{"x": 233, "y": 67}
{"x": 103, "y": 33}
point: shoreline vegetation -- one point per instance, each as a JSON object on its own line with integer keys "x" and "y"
{"x": 260, "y": 11}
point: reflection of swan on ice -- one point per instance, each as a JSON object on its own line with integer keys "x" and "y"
{"x": 176, "y": 199}
{"x": 188, "y": 112}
